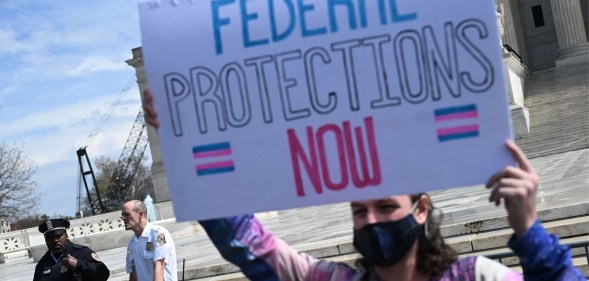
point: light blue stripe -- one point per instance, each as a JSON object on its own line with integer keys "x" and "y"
{"x": 211, "y": 147}
{"x": 456, "y": 109}
{"x": 215, "y": 171}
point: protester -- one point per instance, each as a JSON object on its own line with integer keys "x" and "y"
{"x": 65, "y": 260}
{"x": 399, "y": 238}
{"x": 151, "y": 254}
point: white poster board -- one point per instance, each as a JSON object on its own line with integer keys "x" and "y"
{"x": 269, "y": 105}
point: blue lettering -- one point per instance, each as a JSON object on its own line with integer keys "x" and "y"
{"x": 381, "y": 12}
{"x": 218, "y": 22}
{"x": 245, "y": 17}
{"x": 303, "y": 9}
{"x": 362, "y": 12}
{"x": 397, "y": 17}
{"x": 351, "y": 15}
{"x": 291, "y": 24}
{"x": 284, "y": 15}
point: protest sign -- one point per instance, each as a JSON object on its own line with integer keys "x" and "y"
{"x": 274, "y": 104}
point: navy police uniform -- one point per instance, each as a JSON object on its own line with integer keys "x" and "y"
{"x": 51, "y": 268}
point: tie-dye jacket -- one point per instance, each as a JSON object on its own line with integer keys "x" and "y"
{"x": 261, "y": 255}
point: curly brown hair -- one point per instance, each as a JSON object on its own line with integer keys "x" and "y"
{"x": 434, "y": 256}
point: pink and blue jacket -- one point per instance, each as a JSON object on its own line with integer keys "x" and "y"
{"x": 261, "y": 255}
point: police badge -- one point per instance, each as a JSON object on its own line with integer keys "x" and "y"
{"x": 149, "y": 246}
{"x": 161, "y": 239}
{"x": 95, "y": 257}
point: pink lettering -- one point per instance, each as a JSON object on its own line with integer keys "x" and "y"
{"x": 297, "y": 153}
{"x": 341, "y": 157}
{"x": 366, "y": 180}
{"x": 353, "y": 157}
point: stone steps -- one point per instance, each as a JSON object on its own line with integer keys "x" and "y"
{"x": 15, "y": 255}
{"x": 557, "y": 99}
{"x": 514, "y": 261}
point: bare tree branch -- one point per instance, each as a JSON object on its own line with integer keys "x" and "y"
{"x": 18, "y": 190}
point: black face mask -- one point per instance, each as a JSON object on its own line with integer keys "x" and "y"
{"x": 386, "y": 243}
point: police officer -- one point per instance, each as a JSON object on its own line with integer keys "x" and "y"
{"x": 66, "y": 260}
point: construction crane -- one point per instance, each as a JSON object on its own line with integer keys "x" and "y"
{"x": 124, "y": 174}
{"x": 86, "y": 170}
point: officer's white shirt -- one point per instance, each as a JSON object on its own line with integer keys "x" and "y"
{"x": 155, "y": 243}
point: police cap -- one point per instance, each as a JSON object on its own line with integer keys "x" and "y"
{"x": 53, "y": 227}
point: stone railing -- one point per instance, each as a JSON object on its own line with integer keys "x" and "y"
{"x": 22, "y": 239}
{"x": 18, "y": 242}
{"x": 95, "y": 224}
{"x": 13, "y": 241}
{"x": 4, "y": 226}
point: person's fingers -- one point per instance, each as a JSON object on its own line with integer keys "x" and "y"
{"x": 147, "y": 99}
{"x": 494, "y": 178}
{"x": 147, "y": 95}
{"x": 154, "y": 123}
{"x": 499, "y": 189}
{"x": 507, "y": 172}
{"x": 523, "y": 163}
{"x": 506, "y": 194}
{"x": 151, "y": 113}
{"x": 519, "y": 156}
{"x": 516, "y": 187}
{"x": 149, "y": 109}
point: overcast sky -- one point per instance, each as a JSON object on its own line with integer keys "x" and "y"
{"x": 62, "y": 65}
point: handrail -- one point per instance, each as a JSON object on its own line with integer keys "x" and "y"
{"x": 572, "y": 245}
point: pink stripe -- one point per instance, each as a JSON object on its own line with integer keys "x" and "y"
{"x": 222, "y": 164}
{"x": 457, "y": 130}
{"x": 212, "y": 153}
{"x": 462, "y": 115}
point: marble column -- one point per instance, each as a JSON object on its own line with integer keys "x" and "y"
{"x": 158, "y": 173}
{"x": 570, "y": 28}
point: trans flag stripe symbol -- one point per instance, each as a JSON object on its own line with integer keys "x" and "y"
{"x": 451, "y": 115}
{"x": 213, "y": 158}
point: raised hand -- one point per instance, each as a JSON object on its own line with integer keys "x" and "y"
{"x": 149, "y": 111}
{"x": 70, "y": 262}
{"x": 517, "y": 187}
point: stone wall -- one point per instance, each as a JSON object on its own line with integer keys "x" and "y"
{"x": 4, "y": 226}
{"x": 18, "y": 243}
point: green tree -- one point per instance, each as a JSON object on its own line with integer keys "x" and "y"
{"x": 18, "y": 191}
